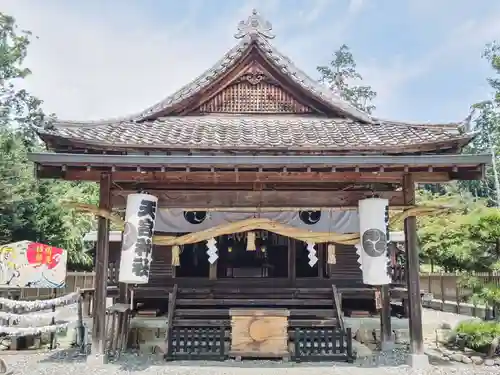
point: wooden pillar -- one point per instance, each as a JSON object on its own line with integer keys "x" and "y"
{"x": 101, "y": 272}
{"x": 413, "y": 273}
{"x": 292, "y": 258}
{"x": 321, "y": 260}
{"x": 123, "y": 293}
{"x": 212, "y": 271}
{"x": 385, "y": 318}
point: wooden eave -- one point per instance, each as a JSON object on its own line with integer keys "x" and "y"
{"x": 259, "y": 169}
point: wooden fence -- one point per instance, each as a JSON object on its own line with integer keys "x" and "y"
{"x": 74, "y": 280}
{"x": 443, "y": 286}
{"x": 447, "y": 286}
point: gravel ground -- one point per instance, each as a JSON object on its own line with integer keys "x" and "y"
{"x": 433, "y": 319}
{"x": 69, "y": 362}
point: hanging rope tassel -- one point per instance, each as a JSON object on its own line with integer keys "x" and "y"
{"x": 176, "y": 252}
{"x": 251, "y": 241}
{"x": 332, "y": 257}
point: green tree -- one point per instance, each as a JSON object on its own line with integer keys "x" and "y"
{"x": 341, "y": 75}
{"x": 18, "y": 108}
{"x": 466, "y": 240}
{"x": 485, "y": 119}
{"x": 445, "y": 239}
{"x": 484, "y": 235}
{"x": 32, "y": 209}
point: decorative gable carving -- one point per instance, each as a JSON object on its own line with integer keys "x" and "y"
{"x": 253, "y": 91}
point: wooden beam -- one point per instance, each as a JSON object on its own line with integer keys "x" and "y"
{"x": 413, "y": 272}
{"x": 468, "y": 175}
{"x": 431, "y": 177}
{"x": 101, "y": 272}
{"x": 250, "y": 186}
{"x": 238, "y": 177}
{"x": 233, "y": 199}
{"x": 251, "y": 177}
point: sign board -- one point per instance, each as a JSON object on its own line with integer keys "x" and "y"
{"x": 28, "y": 264}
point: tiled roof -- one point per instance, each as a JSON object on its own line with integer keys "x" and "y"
{"x": 258, "y": 132}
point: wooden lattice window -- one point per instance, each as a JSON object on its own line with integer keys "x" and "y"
{"x": 254, "y": 92}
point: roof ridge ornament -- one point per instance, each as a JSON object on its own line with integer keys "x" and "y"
{"x": 254, "y": 25}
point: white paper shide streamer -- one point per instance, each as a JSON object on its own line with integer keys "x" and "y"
{"x": 15, "y": 331}
{"x": 212, "y": 251}
{"x": 39, "y": 304}
{"x": 373, "y": 236}
{"x": 33, "y": 323}
{"x": 137, "y": 241}
{"x": 313, "y": 259}
{"x": 38, "y": 318}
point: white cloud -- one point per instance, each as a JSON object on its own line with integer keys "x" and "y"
{"x": 112, "y": 63}
{"x": 356, "y": 6}
{"x": 465, "y": 41}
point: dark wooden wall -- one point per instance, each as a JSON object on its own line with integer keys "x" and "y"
{"x": 345, "y": 272}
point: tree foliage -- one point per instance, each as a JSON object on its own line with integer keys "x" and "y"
{"x": 341, "y": 75}
{"x": 31, "y": 209}
{"x": 18, "y": 108}
{"x": 485, "y": 120}
{"x": 460, "y": 240}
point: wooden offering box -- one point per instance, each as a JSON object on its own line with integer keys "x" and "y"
{"x": 259, "y": 333}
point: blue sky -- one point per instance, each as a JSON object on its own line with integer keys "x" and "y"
{"x": 103, "y": 58}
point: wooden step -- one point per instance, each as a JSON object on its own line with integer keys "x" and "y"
{"x": 292, "y": 323}
{"x": 178, "y": 322}
{"x": 242, "y": 295}
{"x": 312, "y": 323}
{"x": 320, "y": 313}
{"x": 234, "y": 302}
{"x": 249, "y": 290}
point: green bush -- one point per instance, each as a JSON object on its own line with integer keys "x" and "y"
{"x": 476, "y": 334}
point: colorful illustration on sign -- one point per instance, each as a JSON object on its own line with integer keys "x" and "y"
{"x": 28, "y": 264}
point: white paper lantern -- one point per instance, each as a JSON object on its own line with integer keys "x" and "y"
{"x": 373, "y": 236}
{"x": 137, "y": 240}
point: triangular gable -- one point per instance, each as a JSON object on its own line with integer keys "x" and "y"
{"x": 253, "y": 89}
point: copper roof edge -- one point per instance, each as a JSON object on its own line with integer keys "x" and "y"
{"x": 49, "y": 158}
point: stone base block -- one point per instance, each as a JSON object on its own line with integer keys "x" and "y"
{"x": 418, "y": 361}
